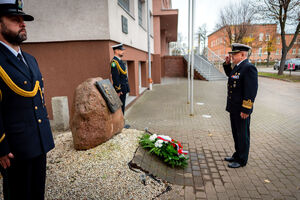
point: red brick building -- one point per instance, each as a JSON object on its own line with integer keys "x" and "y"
{"x": 261, "y": 37}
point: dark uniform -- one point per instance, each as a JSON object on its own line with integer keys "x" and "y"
{"x": 24, "y": 125}
{"x": 120, "y": 79}
{"x": 242, "y": 89}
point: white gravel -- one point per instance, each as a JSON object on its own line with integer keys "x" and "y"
{"x": 101, "y": 172}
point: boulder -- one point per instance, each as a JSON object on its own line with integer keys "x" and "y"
{"x": 91, "y": 121}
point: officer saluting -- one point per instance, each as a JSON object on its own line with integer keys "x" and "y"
{"x": 119, "y": 74}
{"x": 242, "y": 89}
{"x": 25, "y": 134}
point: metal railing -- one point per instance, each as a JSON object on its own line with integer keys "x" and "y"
{"x": 207, "y": 69}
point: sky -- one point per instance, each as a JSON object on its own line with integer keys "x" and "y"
{"x": 206, "y": 12}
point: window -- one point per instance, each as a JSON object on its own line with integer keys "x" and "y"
{"x": 141, "y": 10}
{"x": 277, "y": 51}
{"x": 294, "y": 51}
{"x": 267, "y": 37}
{"x": 259, "y": 51}
{"x": 261, "y": 37}
{"x": 125, "y": 4}
{"x": 278, "y": 40}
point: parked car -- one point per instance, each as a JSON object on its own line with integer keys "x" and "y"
{"x": 295, "y": 61}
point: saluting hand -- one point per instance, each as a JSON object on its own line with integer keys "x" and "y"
{"x": 244, "y": 115}
{"x": 120, "y": 93}
{"x": 5, "y": 160}
{"x": 228, "y": 59}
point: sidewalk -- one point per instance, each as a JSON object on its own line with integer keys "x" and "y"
{"x": 273, "y": 170}
{"x": 271, "y": 70}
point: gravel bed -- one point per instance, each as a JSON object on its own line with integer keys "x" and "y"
{"x": 101, "y": 172}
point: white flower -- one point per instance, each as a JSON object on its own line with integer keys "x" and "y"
{"x": 153, "y": 137}
{"x": 158, "y": 143}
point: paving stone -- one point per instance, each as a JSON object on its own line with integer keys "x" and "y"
{"x": 274, "y": 151}
{"x": 189, "y": 193}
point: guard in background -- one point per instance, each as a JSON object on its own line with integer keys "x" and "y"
{"x": 242, "y": 89}
{"x": 119, "y": 75}
{"x": 25, "y": 133}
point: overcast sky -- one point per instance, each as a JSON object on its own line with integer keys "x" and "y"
{"x": 206, "y": 12}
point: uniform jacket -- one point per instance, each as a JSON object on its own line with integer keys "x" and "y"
{"x": 24, "y": 125}
{"x": 119, "y": 76}
{"x": 242, "y": 87}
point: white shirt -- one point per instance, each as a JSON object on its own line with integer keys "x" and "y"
{"x": 14, "y": 51}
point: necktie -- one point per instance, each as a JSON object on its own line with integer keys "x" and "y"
{"x": 19, "y": 56}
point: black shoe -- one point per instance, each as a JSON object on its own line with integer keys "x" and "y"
{"x": 234, "y": 165}
{"x": 127, "y": 126}
{"x": 229, "y": 159}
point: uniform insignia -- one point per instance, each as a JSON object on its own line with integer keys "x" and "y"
{"x": 247, "y": 104}
{"x": 20, "y": 4}
{"x": 113, "y": 64}
{"x": 235, "y": 76}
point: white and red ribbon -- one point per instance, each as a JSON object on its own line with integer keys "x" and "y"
{"x": 178, "y": 145}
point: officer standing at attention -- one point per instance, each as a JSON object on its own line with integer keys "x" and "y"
{"x": 25, "y": 133}
{"x": 119, "y": 75}
{"x": 242, "y": 89}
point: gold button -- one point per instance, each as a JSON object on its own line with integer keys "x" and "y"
{"x": 40, "y": 121}
{"x": 25, "y": 82}
{"x": 36, "y": 107}
{"x": 229, "y": 97}
{"x": 230, "y": 91}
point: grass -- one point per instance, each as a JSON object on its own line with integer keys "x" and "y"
{"x": 284, "y": 77}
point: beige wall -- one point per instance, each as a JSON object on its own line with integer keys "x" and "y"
{"x": 77, "y": 20}
{"x": 65, "y": 20}
{"x": 137, "y": 35}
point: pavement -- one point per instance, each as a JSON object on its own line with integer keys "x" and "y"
{"x": 273, "y": 169}
{"x": 271, "y": 70}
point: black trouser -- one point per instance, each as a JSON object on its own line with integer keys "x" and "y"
{"x": 123, "y": 99}
{"x": 25, "y": 179}
{"x": 241, "y": 136}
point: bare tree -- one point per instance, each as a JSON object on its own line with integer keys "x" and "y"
{"x": 236, "y": 19}
{"x": 287, "y": 14}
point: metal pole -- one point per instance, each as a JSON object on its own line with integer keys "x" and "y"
{"x": 149, "y": 47}
{"x": 189, "y": 54}
{"x": 192, "y": 63}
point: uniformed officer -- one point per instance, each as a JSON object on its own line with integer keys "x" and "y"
{"x": 242, "y": 89}
{"x": 25, "y": 133}
{"x": 119, "y": 74}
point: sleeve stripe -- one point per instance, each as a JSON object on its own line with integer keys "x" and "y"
{"x": 2, "y": 138}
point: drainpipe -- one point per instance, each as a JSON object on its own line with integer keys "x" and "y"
{"x": 149, "y": 47}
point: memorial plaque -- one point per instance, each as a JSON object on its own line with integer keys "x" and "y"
{"x": 109, "y": 95}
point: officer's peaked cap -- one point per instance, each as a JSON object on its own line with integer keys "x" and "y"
{"x": 14, "y": 7}
{"x": 118, "y": 46}
{"x": 237, "y": 47}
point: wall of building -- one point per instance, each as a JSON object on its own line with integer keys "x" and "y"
{"x": 58, "y": 20}
{"x": 64, "y": 65}
{"x": 137, "y": 34}
{"x": 173, "y": 66}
